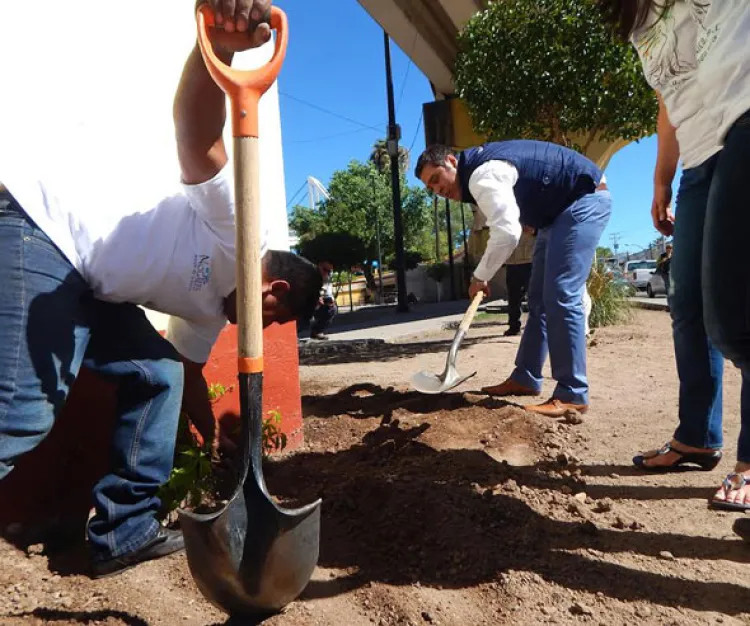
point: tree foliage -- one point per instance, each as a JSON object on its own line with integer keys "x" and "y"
{"x": 380, "y": 158}
{"x": 357, "y": 195}
{"x": 549, "y": 69}
{"x": 342, "y": 250}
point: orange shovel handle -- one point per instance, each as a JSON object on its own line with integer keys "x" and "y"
{"x": 244, "y": 87}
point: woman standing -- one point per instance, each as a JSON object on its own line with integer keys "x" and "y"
{"x": 695, "y": 55}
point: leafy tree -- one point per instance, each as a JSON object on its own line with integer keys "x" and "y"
{"x": 549, "y": 69}
{"x": 342, "y": 250}
{"x": 357, "y": 195}
{"x": 380, "y": 158}
{"x": 603, "y": 252}
{"x": 412, "y": 258}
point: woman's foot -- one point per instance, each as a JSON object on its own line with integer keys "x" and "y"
{"x": 734, "y": 493}
{"x": 674, "y": 455}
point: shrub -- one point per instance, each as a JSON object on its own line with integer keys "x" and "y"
{"x": 609, "y": 298}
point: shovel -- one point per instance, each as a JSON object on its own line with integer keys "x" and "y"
{"x": 251, "y": 557}
{"x": 427, "y": 382}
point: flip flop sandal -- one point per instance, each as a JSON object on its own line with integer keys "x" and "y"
{"x": 706, "y": 461}
{"x": 730, "y": 484}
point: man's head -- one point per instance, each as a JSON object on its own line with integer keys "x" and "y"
{"x": 436, "y": 168}
{"x": 291, "y": 288}
{"x": 669, "y": 249}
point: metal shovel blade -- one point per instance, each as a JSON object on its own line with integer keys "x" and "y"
{"x": 252, "y": 557}
{"x": 427, "y": 382}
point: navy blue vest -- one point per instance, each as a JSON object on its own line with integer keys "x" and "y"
{"x": 550, "y": 177}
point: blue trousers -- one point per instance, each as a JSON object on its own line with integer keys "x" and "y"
{"x": 563, "y": 255}
{"x": 49, "y": 326}
{"x": 710, "y": 292}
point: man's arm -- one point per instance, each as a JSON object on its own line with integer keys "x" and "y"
{"x": 195, "y": 400}
{"x": 668, "y": 154}
{"x": 199, "y": 106}
{"x": 199, "y": 117}
{"x": 492, "y": 187}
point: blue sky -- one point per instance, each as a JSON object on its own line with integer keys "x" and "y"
{"x": 340, "y": 70}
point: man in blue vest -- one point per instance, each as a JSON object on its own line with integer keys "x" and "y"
{"x": 562, "y": 195}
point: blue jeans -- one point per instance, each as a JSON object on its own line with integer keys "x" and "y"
{"x": 700, "y": 366}
{"x": 49, "y": 326}
{"x": 718, "y": 190}
{"x": 563, "y": 255}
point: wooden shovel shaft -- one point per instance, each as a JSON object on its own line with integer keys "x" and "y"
{"x": 249, "y": 271}
{"x": 471, "y": 312}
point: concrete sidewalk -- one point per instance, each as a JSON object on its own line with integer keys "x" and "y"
{"x": 384, "y": 322}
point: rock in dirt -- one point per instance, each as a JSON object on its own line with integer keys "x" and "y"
{"x": 576, "y": 508}
{"x": 580, "y": 496}
{"x": 572, "y": 417}
{"x": 36, "y": 549}
{"x": 604, "y": 505}
{"x": 666, "y": 555}
{"x": 643, "y": 612}
{"x": 579, "y": 608}
{"x": 427, "y": 617}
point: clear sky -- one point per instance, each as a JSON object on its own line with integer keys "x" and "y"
{"x": 340, "y": 69}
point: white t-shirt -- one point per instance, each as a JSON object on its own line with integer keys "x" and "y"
{"x": 175, "y": 254}
{"x": 723, "y": 51}
{"x": 668, "y": 54}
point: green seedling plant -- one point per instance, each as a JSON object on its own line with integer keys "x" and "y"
{"x": 193, "y": 481}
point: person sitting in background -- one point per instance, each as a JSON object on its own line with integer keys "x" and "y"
{"x": 327, "y": 308}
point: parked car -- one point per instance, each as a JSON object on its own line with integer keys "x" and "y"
{"x": 656, "y": 285}
{"x": 639, "y": 272}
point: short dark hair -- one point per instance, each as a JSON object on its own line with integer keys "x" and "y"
{"x": 304, "y": 278}
{"x": 436, "y": 154}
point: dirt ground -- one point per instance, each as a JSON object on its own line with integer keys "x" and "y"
{"x": 463, "y": 510}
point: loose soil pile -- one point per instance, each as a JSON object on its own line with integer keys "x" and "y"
{"x": 460, "y": 509}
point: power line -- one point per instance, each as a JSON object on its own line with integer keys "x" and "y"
{"x": 333, "y": 136}
{"x": 406, "y": 74}
{"x": 416, "y": 132}
{"x": 320, "y": 108}
{"x": 296, "y": 194}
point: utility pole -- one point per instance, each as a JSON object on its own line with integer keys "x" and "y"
{"x": 450, "y": 247}
{"x": 394, "y": 133}
{"x": 615, "y": 237}
{"x": 377, "y": 233}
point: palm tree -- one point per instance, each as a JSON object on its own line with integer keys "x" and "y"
{"x": 381, "y": 159}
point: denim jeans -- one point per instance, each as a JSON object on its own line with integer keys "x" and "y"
{"x": 563, "y": 255}
{"x": 725, "y": 264}
{"x": 49, "y": 326}
{"x": 700, "y": 365}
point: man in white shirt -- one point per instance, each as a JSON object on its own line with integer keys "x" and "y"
{"x": 79, "y": 254}
{"x": 561, "y": 194}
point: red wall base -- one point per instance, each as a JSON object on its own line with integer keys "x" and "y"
{"x": 57, "y": 477}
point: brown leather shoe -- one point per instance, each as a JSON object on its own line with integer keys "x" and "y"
{"x": 510, "y": 388}
{"x": 556, "y": 408}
